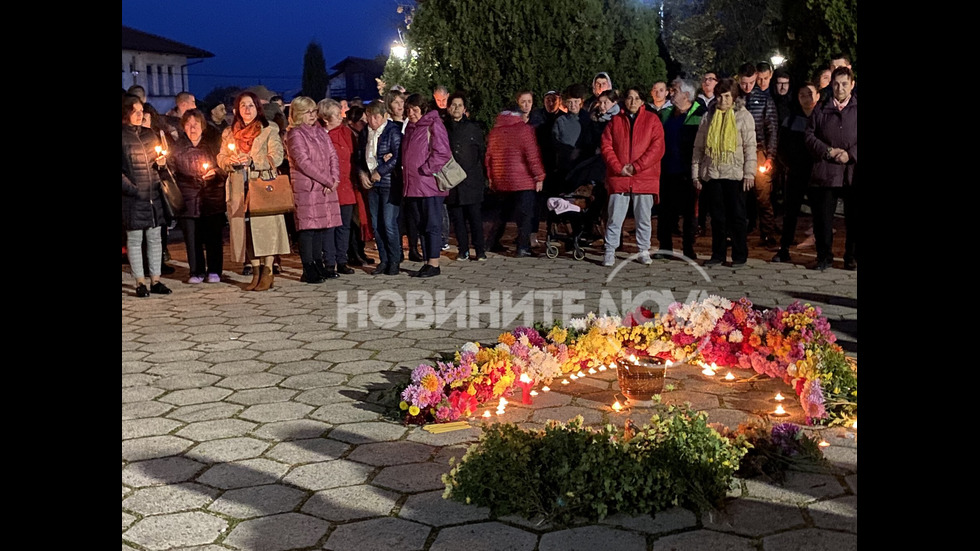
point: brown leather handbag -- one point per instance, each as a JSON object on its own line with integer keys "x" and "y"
{"x": 269, "y": 196}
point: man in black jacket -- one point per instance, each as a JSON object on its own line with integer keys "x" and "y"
{"x": 677, "y": 193}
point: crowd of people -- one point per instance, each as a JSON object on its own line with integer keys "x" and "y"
{"x": 737, "y": 150}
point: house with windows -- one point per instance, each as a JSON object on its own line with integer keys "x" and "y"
{"x": 355, "y": 77}
{"x": 157, "y": 64}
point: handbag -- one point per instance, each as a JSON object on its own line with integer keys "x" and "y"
{"x": 274, "y": 195}
{"x": 451, "y": 174}
{"x": 173, "y": 199}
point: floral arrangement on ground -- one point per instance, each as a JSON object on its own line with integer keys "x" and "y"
{"x": 794, "y": 344}
{"x": 567, "y": 471}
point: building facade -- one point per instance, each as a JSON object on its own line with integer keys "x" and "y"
{"x": 157, "y": 64}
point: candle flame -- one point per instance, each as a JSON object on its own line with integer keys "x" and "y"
{"x": 779, "y": 397}
{"x": 780, "y": 410}
{"x": 503, "y": 402}
{"x": 580, "y": 374}
{"x": 525, "y": 379}
{"x": 534, "y": 393}
{"x": 564, "y": 381}
{"x": 486, "y": 413}
{"x": 617, "y": 406}
{"x": 855, "y": 425}
{"x": 592, "y": 371}
{"x": 231, "y": 146}
{"x": 668, "y": 363}
{"x": 602, "y": 367}
{"x": 714, "y": 366}
{"x": 545, "y": 389}
{"x": 612, "y": 365}
{"x": 632, "y": 358}
{"x": 573, "y": 377}
{"x": 729, "y": 377}
{"x": 762, "y": 169}
{"x": 707, "y": 371}
{"x": 158, "y": 149}
{"x": 206, "y": 165}
{"x": 823, "y": 444}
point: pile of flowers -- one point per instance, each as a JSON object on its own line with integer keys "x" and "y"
{"x": 793, "y": 344}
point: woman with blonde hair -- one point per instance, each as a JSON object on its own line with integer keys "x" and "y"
{"x": 250, "y": 152}
{"x": 315, "y": 177}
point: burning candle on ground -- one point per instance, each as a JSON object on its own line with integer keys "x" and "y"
{"x": 526, "y": 384}
{"x": 602, "y": 367}
{"x": 779, "y": 397}
{"x": 823, "y": 444}
{"x": 231, "y": 147}
{"x": 855, "y": 425}
{"x": 592, "y": 371}
{"x": 780, "y": 410}
{"x": 617, "y": 406}
{"x": 729, "y": 378}
{"x": 573, "y": 377}
{"x": 545, "y": 389}
{"x": 206, "y": 165}
{"x": 564, "y": 381}
{"x": 486, "y": 414}
{"x": 534, "y": 393}
{"x": 707, "y": 371}
{"x": 580, "y": 374}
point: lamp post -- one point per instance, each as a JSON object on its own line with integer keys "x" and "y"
{"x": 777, "y": 60}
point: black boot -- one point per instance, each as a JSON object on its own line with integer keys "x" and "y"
{"x": 311, "y": 274}
{"x": 325, "y": 273}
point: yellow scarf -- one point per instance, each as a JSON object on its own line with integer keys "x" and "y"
{"x": 722, "y": 137}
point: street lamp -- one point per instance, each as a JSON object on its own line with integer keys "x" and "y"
{"x": 777, "y": 59}
{"x": 398, "y": 50}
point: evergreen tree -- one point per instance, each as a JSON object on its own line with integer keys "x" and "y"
{"x": 315, "y": 80}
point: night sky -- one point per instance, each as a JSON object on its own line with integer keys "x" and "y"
{"x": 263, "y": 41}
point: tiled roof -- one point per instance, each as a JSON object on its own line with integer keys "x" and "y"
{"x": 133, "y": 39}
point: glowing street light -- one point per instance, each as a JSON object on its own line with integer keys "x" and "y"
{"x": 399, "y": 50}
{"x": 777, "y": 59}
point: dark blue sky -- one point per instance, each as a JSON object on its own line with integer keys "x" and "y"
{"x": 263, "y": 41}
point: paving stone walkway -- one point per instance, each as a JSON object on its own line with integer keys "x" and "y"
{"x": 251, "y": 421}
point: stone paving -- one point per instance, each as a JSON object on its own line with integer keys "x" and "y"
{"x": 251, "y": 421}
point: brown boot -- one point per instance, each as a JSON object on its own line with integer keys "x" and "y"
{"x": 256, "y": 272}
{"x": 265, "y": 282}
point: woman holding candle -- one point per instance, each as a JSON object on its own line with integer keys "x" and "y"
{"x": 142, "y": 200}
{"x": 315, "y": 178}
{"x": 425, "y": 150}
{"x": 203, "y": 187}
{"x": 250, "y": 150}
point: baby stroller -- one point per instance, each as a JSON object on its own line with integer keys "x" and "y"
{"x": 576, "y": 213}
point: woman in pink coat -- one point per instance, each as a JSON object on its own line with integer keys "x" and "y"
{"x": 315, "y": 174}
{"x": 425, "y": 150}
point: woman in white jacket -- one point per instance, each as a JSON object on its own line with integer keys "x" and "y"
{"x": 724, "y": 169}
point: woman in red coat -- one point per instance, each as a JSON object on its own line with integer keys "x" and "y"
{"x": 632, "y": 146}
{"x": 515, "y": 171}
{"x": 315, "y": 175}
{"x": 343, "y": 142}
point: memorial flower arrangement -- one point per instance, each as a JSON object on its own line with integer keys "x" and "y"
{"x": 794, "y": 344}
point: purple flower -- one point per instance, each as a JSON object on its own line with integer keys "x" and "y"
{"x": 812, "y": 399}
{"x": 533, "y": 336}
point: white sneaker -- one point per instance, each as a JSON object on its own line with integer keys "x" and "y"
{"x": 644, "y": 258}
{"x": 609, "y": 259}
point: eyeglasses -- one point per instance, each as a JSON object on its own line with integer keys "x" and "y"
{"x": 706, "y": 79}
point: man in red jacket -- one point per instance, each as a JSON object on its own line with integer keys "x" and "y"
{"x": 515, "y": 171}
{"x": 632, "y": 146}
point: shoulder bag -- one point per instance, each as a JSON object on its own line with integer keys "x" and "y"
{"x": 451, "y": 174}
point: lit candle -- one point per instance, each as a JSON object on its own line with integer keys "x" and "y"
{"x": 503, "y": 402}
{"x": 231, "y": 147}
{"x": 780, "y": 410}
{"x": 572, "y": 377}
{"x": 545, "y": 389}
{"x": 779, "y": 397}
{"x": 612, "y": 365}
{"x": 617, "y": 406}
{"x": 486, "y": 414}
{"x": 632, "y": 358}
{"x": 729, "y": 377}
{"x": 158, "y": 149}
{"x": 534, "y": 393}
{"x": 592, "y": 371}
{"x": 580, "y": 374}
{"x": 602, "y": 367}
{"x": 855, "y": 425}
{"x": 526, "y": 384}
{"x": 564, "y": 381}
{"x": 707, "y": 371}
{"x": 206, "y": 165}
{"x": 823, "y": 444}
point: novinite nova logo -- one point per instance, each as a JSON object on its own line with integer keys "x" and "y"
{"x": 501, "y": 308}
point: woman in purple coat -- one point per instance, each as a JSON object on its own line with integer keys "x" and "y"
{"x": 425, "y": 150}
{"x": 315, "y": 176}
